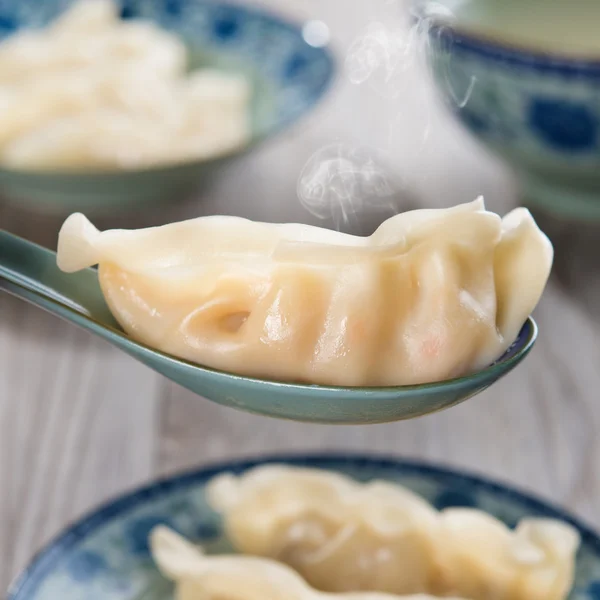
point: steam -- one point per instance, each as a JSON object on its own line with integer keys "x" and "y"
{"x": 340, "y": 181}
{"x": 437, "y": 13}
{"x": 380, "y": 57}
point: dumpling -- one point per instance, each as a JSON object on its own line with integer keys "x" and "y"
{"x": 431, "y": 295}
{"x": 485, "y": 559}
{"x": 102, "y": 138}
{"x": 201, "y": 577}
{"x": 121, "y": 89}
{"x": 125, "y": 118}
{"x": 100, "y": 36}
{"x": 342, "y": 535}
{"x": 123, "y": 100}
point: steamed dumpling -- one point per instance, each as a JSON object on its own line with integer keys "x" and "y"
{"x": 201, "y": 577}
{"x": 431, "y": 295}
{"x": 342, "y": 535}
{"x": 122, "y": 99}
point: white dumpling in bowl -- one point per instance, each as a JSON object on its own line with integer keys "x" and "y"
{"x": 103, "y": 138}
{"x": 342, "y": 535}
{"x": 123, "y": 99}
{"x": 215, "y": 114}
{"x": 75, "y": 95}
{"x": 120, "y": 118}
{"x": 232, "y": 577}
{"x": 32, "y": 52}
{"x": 94, "y": 28}
{"x": 431, "y": 295}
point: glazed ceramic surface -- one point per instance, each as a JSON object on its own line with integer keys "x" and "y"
{"x": 30, "y": 272}
{"x": 289, "y": 77}
{"x": 105, "y": 556}
{"x": 537, "y": 109}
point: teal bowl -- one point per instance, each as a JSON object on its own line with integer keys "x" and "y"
{"x": 289, "y": 77}
{"x": 538, "y": 110}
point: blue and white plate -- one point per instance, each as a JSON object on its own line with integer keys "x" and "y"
{"x": 105, "y": 556}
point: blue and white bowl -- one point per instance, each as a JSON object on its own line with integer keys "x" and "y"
{"x": 105, "y": 556}
{"x": 539, "y": 111}
{"x": 290, "y": 70}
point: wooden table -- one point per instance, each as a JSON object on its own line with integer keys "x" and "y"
{"x": 81, "y": 422}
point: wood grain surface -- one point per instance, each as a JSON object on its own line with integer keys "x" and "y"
{"x": 81, "y": 422}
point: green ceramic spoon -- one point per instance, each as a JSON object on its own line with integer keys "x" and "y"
{"x": 30, "y": 272}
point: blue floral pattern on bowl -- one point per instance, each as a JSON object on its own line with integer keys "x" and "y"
{"x": 86, "y": 565}
{"x": 104, "y": 556}
{"x": 565, "y": 125}
{"x": 541, "y": 113}
{"x": 499, "y": 93}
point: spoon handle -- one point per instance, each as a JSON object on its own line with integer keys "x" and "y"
{"x": 26, "y": 264}
{"x": 30, "y": 272}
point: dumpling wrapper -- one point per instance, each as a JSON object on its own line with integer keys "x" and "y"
{"x": 342, "y": 535}
{"x": 431, "y": 295}
{"x": 123, "y": 118}
{"x": 201, "y": 577}
{"x": 123, "y": 100}
{"x": 100, "y": 36}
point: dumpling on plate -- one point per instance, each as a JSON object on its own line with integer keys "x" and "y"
{"x": 233, "y": 577}
{"x": 431, "y": 295}
{"x": 342, "y": 535}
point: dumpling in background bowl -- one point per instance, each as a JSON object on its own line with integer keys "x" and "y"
{"x": 122, "y": 101}
{"x": 121, "y": 121}
{"x": 201, "y": 577}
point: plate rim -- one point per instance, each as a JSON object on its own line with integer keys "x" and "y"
{"x": 43, "y": 561}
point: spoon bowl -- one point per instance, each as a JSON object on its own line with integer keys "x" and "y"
{"x": 30, "y": 272}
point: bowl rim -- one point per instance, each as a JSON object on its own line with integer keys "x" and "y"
{"x": 43, "y": 561}
{"x": 292, "y": 25}
{"x": 509, "y": 52}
